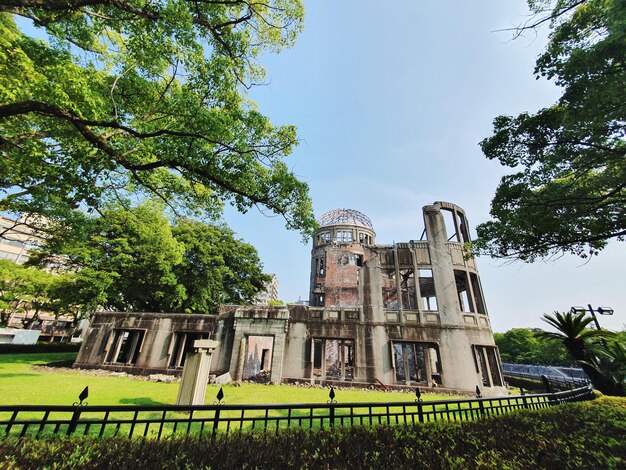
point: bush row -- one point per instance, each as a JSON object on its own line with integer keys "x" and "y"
{"x": 38, "y": 348}
{"x": 581, "y": 435}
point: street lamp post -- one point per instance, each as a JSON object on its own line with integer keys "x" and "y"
{"x": 590, "y": 309}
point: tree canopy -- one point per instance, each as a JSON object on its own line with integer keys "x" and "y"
{"x": 21, "y": 290}
{"x": 568, "y": 189}
{"x": 216, "y": 267}
{"x": 134, "y": 260}
{"x": 525, "y": 346}
{"x": 29, "y": 291}
{"x": 111, "y": 98}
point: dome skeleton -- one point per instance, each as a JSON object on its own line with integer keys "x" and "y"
{"x": 345, "y": 217}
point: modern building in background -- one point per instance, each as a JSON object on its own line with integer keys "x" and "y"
{"x": 17, "y": 238}
{"x": 269, "y": 293}
{"x": 407, "y": 314}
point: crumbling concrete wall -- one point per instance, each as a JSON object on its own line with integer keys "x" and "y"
{"x": 154, "y": 340}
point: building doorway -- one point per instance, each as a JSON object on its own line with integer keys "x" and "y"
{"x": 258, "y": 362}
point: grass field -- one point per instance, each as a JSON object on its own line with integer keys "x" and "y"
{"x": 21, "y": 384}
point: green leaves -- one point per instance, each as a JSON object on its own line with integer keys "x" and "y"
{"x": 145, "y": 99}
{"x": 135, "y": 260}
{"x": 217, "y": 268}
{"x": 525, "y": 346}
{"x": 569, "y": 191}
{"x": 599, "y": 352}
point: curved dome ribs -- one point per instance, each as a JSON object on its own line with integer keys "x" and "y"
{"x": 345, "y": 217}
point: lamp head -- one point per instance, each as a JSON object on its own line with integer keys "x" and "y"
{"x": 605, "y": 310}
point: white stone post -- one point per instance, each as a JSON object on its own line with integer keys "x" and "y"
{"x": 196, "y": 373}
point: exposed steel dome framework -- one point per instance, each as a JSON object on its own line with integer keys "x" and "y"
{"x": 345, "y": 217}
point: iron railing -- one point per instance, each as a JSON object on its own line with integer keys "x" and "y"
{"x": 555, "y": 383}
{"x": 157, "y": 421}
{"x": 538, "y": 370}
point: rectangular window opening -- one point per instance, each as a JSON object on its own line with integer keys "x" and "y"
{"x": 451, "y": 228}
{"x": 389, "y": 288}
{"x": 183, "y": 345}
{"x": 494, "y": 367}
{"x": 482, "y": 355}
{"x": 407, "y": 287}
{"x": 462, "y": 288}
{"x": 427, "y": 290}
{"x": 480, "y": 304}
{"x": 333, "y": 358}
{"x": 417, "y": 363}
{"x": 126, "y": 346}
{"x": 319, "y": 266}
{"x": 462, "y": 224}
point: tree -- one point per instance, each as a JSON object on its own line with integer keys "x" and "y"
{"x": 590, "y": 348}
{"x": 78, "y": 294}
{"x": 133, "y": 251}
{"x": 526, "y": 346}
{"x": 30, "y": 291}
{"x": 217, "y": 268}
{"x": 134, "y": 260}
{"x": 138, "y": 97}
{"x": 22, "y": 290}
{"x": 568, "y": 191}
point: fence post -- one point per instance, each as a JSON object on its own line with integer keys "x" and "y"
{"x": 523, "y": 397}
{"x": 481, "y": 406}
{"x": 331, "y": 407}
{"x": 216, "y": 421}
{"x": 74, "y": 421}
{"x": 420, "y": 412}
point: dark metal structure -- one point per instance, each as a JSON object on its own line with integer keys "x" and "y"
{"x": 166, "y": 420}
{"x": 345, "y": 217}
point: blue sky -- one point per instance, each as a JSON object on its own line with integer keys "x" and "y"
{"x": 390, "y": 105}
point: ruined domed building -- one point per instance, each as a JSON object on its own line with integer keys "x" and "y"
{"x": 407, "y": 314}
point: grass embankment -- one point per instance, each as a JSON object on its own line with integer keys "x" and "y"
{"x": 21, "y": 384}
{"x": 590, "y": 435}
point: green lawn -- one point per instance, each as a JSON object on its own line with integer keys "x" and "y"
{"x": 20, "y": 384}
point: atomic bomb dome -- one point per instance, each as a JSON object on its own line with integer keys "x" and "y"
{"x": 345, "y": 217}
{"x": 407, "y": 314}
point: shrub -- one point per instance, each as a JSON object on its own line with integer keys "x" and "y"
{"x": 578, "y": 435}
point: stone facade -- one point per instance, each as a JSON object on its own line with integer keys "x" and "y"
{"x": 408, "y": 314}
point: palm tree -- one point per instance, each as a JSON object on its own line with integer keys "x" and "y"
{"x": 580, "y": 342}
{"x": 611, "y": 362}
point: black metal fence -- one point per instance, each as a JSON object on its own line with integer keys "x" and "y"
{"x": 166, "y": 420}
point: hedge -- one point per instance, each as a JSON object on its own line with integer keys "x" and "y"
{"x": 585, "y": 435}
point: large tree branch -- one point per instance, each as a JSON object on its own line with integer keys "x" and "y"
{"x": 534, "y": 23}
{"x": 84, "y": 127}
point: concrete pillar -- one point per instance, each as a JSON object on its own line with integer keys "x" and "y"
{"x": 241, "y": 360}
{"x": 443, "y": 270}
{"x": 192, "y": 388}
